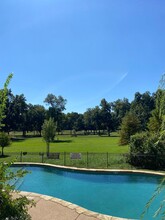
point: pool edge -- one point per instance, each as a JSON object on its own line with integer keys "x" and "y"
{"x": 69, "y": 205}
{"x": 93, "y": 170}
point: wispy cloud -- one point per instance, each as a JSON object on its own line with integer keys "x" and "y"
{"x": 116, "y": 83}
{"x": 102, "y": 94}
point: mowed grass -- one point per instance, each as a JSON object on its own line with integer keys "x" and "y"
{"x": 96, "y": 151}
{"x": 66, "y": 143}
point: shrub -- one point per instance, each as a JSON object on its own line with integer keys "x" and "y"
{"x": 147, "y": 151}
{"x": 10, "y": 208}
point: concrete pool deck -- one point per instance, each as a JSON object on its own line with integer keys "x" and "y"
{"x": 50, "y": 208}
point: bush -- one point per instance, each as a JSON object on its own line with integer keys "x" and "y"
{"x": 147, "y": 151}
{"x": 10, "y": 208}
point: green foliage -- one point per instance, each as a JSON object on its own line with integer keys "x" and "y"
{"x": 141, "y": 106}
{"x": 10, "y": 208}
{"x": 157, "y": 120}
{"x": 160, "y": 211}
{"x": 4, "y": 141}
{"x": 56, "y": 102}
{"x": 147, "y": 151}
{"x": 106, "y": 116}
{"x": 48, "y": 132}
{"x": 120, "y": 107}
{"x": 3, "y": 99}
{"x": 130, "y": 125}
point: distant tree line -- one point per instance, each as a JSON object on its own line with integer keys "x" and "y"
{"x": 104, "y": 118}
{"x": 141, "y": 123}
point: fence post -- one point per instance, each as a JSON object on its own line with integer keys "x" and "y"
{"x": 21, "y": 156}
{"x": 42, "y": 155}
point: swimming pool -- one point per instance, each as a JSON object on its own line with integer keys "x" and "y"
{"x": 111, "y": 193}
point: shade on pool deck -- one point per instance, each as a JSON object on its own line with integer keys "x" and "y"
{"x": 50, "y": 208}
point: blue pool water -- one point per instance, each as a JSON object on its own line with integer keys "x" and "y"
{"x": 117, "y": 194}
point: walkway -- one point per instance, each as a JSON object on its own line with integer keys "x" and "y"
{"x": 50, "y": 208}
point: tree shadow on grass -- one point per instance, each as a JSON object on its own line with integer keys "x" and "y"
{"x": 4, "y": 156}
{"x": 17, "y": 139}
{"x": 62, "y": 141}
{"x": 106, "y": 136}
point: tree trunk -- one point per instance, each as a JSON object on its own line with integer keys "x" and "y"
{"x": 47, "y": 149}
{"x": 24, "y": 133}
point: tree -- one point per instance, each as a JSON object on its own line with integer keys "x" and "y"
{"x": 130, "y": 125}
{"x": 48, "y": 132}
{"x": 88, "y": 120}
{"x": 56, "y": 102}
{"x": 142, "y": 106}
{"x": 10, "y": 208}
{"x": 119, "y": 108}
{"x": 74, "y": 121}
{"x": 4, "y": 141}
{"x": 8, "y": 121}
{"x": 156, "y": 121}
{"x": 19, "y": 113}
{"x": 57, "y": 106}
{"x": 157, "y": 125}
{"x": 106, "y": 116}
{"x": 96, "y": 119}
{"x": 35, "y": 117}
{"x": 3, "y": 99}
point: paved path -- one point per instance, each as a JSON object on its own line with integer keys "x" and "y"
{"x": 50, "y": 208}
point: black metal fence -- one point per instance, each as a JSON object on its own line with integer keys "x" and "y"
{"x": 91, "y": 160}
{"x": 87, "y": 160}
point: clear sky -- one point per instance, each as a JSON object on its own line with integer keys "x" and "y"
{"x": 84, "y": 50}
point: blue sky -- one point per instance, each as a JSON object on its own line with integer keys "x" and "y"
{"x": 84, "y": 50}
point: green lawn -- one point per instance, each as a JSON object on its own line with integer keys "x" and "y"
{"x": 66, "y": 143}
{"x": 96, "y": 151}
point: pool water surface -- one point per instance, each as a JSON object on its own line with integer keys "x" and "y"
{"x": 111, "y": 193}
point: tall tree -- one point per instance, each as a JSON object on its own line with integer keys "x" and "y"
{"x": 106, "y": 116}
{"x": 57, "y": 106}
{"x": 142, "y": 106}
{"x": 120, "y": 107}
{"x": 74, "y": 121}
{"x": 36, "y": 115}
{"x": 3, "y": 99}
{"x": 56, "y": 102}
{"x": 8, "y": 121}
{"x": 88, "y": 120}
{"x": 97, "y": 120}
{"x": 20, "y": 109}
{"x": 130, "y": 126}
{"x": 157, "y": 120}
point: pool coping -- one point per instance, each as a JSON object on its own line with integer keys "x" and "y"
{"x": 76, "y": 208}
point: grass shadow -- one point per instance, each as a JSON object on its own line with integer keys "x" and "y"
{"x": 17, "y": 139}
{"x": 62, "y": 141}
{"x": 4, "y": 156}
{"x": 106, "y": 136}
